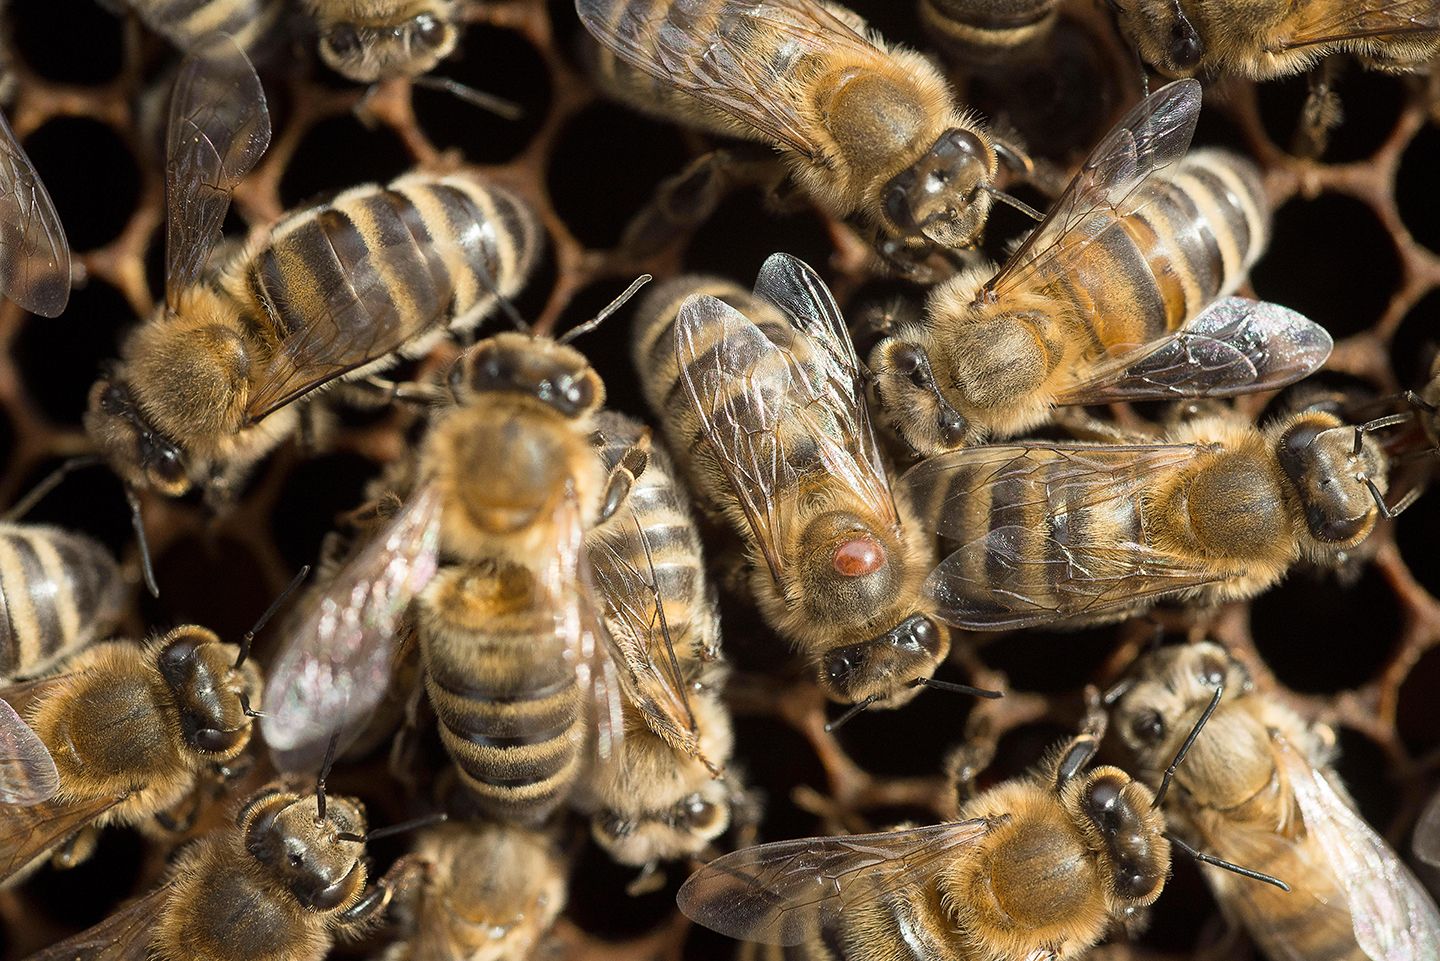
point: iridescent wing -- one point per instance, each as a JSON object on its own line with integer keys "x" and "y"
{"x": 27, "y": 771}
{"x": 1034, "y": 563}
{"x": 219, "y": 127}
{"x": 1235, "y": 346}
{"x": 779, "y": 893}
{"x": 1151, "y": 137}
{"x": 337, "y": 658}
{"x": 27, "y": 832}
{"x": 1427, "y": 833}
{"x": 123, "y": 936}
{"x": 778, "y": 405}
{"x": 1359, "y": 19}
{"x": 34, "y": 256}
{"x": 1392, "y": 916}
{"x": 737, "y": 56}
{"x": 635, "y": 610}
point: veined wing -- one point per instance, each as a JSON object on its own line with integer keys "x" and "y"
{"x": 26, "y": 832}
{"x": 27, "y": 771}
{"x": 1427, "y": 833}
{"x": 123, "y": 936}
{"x": 776, "y": 893}
{"x": 1361, "y": 19}
{"x": 1235, "y": 346}
{"x": 34, "y": 255}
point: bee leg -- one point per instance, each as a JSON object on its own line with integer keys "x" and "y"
{"x": 963, "y": 767}
{"x": 186, "y": 820}
{"x": 76, "y": 849}
{"x": 648, "y": 881}
{"x": 622, "y": 476}
{"x": 1084, "y": 426}
{"x": 681, "y": 204}
{"x": 1321, "y": 113}
{"x": 397, "y": 881}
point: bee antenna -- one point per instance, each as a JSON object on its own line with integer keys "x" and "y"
{"x": 1121, "y": 688}
{"x": 249, "y": 636}
{"x": 499, "y": 106}
{"x": 1015, "y": 202}
{"x": 1227, "y": 865}
{"x": 850, "y": 714}
{"x": 325, "y": 766}
{"x": 1386, "y": 511}
{"x": 1419, "y": 403}
{"x": 401, "y": 828}
{"x": 954, "y": 688}
{"x": 506, "y": 307}
{"x": 137, "y": 523}
{"x": 1389, "y": 420}
{"x": 1185, "y": 748}
{"x": 609, "y": 309}
{"x": 246, "y": 708}
{"x": 52, "y": 480}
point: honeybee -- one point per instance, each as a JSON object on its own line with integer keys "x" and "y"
{"x": 1038, "y": 868}
{"x": 988, "y": 29}
{"x": 129, "y": 728}
{"x": 208, "y": 385}
{"x": 1260, "y": 788}
{"x": 661, "y": 798}
{"x": 1265, "y": 40}
{"x": 1088, "y": 533}
{"x": 282, "y": 883}
{"x": 491, "y": 892}
{"x": 1104, "y": 301}
{"x": 769, "y": 406}
{"x": 484, "y": 563}
{"x": 189, "y": 24}
{"x": 865, "y": 127}
{"x": 35, "y": 257}
{"x": 371, "y": 40}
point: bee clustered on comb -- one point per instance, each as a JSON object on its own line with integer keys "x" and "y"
{"x": 1356, "y": 247}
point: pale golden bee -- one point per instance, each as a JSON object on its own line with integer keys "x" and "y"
{"x": 372, "y": 40}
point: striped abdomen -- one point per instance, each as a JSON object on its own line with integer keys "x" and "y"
{"x": 988, "y": 30}
{"x": 907, "y": 924}
{"x": 58, "y": 592}
{"x": 254, "y": 24}
{"x": 1199, "y": 226}
{"x": 503, "y": 690}
{"x": 389, "y": 268}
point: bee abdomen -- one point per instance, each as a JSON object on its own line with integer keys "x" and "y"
{"x": 988, "y": 30}
{"x": 58, "y": 592}
{"x": 184, "y": 22}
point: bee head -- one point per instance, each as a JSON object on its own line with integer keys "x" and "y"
{"x": 1124, "y": 831}
{"x": 142, "y": 456}
{"x": 407, "y": 45}
{"x": 314, "y": 850}
{"x": 1329, "y": 464}
{"x": 889, "y": 669}
{"x": 553, "y": 374}
{"x": 941, "y": 197}
{"x": 214, "y": 696}
{"x": 683, "y": 829}
{"x": 910, "y": 401}
{"x": 1165, "y": 35}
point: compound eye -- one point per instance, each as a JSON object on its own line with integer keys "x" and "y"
{"x": 580, "y": 393}
{"x": 701, "y": 814}
{"x": 1148, "y": 727}
{"x": 428, "y": 30}
{"x": 1211, "y": 671}
{"x": 953, "y": 428}
{"x": 959, "y": 143}
{"x": 909, "y": 361}
{"x": 165, "y": 464}
{"x": 1186, "y": 49}
{"x": 343, "y": 40}
{"x": 839, "y": 665}
{"x": 897, "y": 203}
{"x": 113, "y": 400}
{"x": 614, "y": 826}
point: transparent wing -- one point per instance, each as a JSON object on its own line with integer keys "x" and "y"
{"x": 737, "y": 56}
{"x": 1032, "y": 561}
{"x": 34, "y": 256}
{"x": 1152, "y": 136}
{"x": 123, "y": 936}
{"x": 635, "y": 608}
{"x": 337, "y": 658}
{"x": 777, "y": 893}
{"x": 219, "y": 127}
{"x": 826, "y": 372}
{"x": 26, "y": 832}
{"x": 27, "y": 771}
{"x": 1236, "y": 346}
{"x": 1427, "y": 833}
{"x": 1358, "y": 19}
{"x": 1393, "y": 918}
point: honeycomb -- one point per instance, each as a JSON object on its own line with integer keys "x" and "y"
{"x": 1356, "y": 247}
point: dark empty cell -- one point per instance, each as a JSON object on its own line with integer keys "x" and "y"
{"x": 600, "y": 904}
{"x": 908, "y": 741}
{"x": 91, "y": 177}
{"x": 1416, "y": 719}
{"x": 608, "y": 346}
{"x": 70, "y": 41}
{"x": 1332, "y": 260}
{"x": 702, "y": 944}
{"x": 233, "y": 233}
{"x": 742, "y": 233}
{"x": 565, "y": 25}
{"x": 1415, "y": 186}
{"x": 1415, "y": 535}
{"x": 59, "y": 358}
{"x": 1021, "y": 748}
{"x": 1369, "y": 103}
{"x": 1319, "y": 636}
{"x": 769, "y": 755}
{"x": 1217, "y": 128}
{"x": 1416, "y": 342}
{"x": 338, "y": 153}
{"x": 7, "y": 438}
{"x": 315, "y": 493}
{"x": 1178, "y": 918}
{"x": 499, "y": 63}
{"x": 1051, "y": 662}
{"x": 896, "y": 22}
{"x": 1365, "y": 772}
{"x": 214, "y": 582}
{"x": 606, "y": 166}
{"x": 90, "y": 500}
{"x": 86, "y": 893}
